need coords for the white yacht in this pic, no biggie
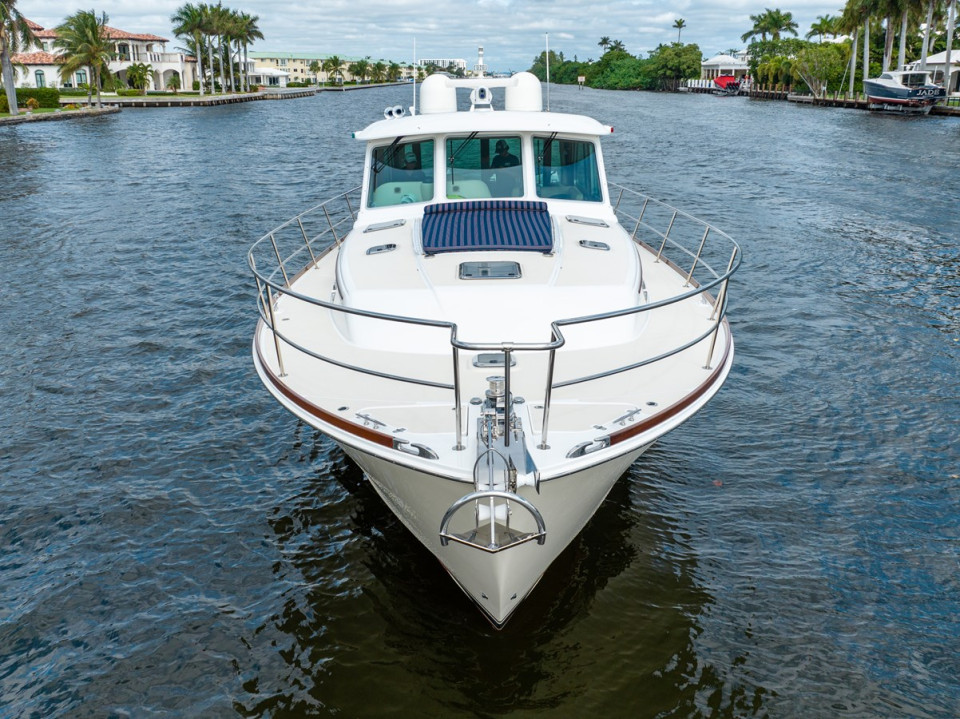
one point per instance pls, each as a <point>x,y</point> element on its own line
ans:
<point>489,329</point>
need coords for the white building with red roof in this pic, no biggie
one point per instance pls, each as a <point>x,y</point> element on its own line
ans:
<point>39,66</point>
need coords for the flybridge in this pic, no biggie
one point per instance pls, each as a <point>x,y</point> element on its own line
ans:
<point>522,110</point>
<point>522,92</point>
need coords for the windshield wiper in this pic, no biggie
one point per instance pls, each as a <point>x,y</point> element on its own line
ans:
<point>390,153</point>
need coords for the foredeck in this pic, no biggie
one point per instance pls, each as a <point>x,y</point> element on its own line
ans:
<point>637,358</point>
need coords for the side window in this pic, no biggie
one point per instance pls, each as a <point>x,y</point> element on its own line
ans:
<point>479,167</point>
<point>566,169</point>
<point>401,173</point>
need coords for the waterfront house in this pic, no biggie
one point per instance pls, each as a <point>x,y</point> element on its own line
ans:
<point>39,65</point>
<point>722,64</point>
<point>936,65</point>
<point>297,67</point>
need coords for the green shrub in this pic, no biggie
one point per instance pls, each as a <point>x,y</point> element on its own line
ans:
<point>70,92</point>
<point>46,96</point>
<point>128,92</point>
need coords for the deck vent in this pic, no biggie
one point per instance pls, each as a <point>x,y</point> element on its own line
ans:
<point>385,225</point>
<point>489,270</point>
<point>592,245</point>
<point>380,249</point>
<point>592,221</point>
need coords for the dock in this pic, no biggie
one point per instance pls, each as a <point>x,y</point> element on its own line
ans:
<point>277,93</point>
<point>859,102</point>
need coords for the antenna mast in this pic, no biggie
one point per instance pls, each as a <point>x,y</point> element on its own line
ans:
<point>548,71</point>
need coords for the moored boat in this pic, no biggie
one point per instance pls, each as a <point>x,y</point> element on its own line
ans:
<point>903,91</point>
<point>489,329</point>
<point>726,85</point>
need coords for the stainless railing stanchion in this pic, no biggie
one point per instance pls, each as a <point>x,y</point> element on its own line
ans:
<point>546,400</point>
<point>333,228</point>
<point>507,403</point>
<point>306,241</point>
<point>718,309</point>
<point>643,209</point>
<point>697,258</point>
<point>273,327</point>
<point>666,235</point>
<point>457,406</point>
<point>723,290</point>
<point>276,251</point>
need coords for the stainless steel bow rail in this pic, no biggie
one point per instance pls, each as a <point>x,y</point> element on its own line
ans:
<point>684,242</point>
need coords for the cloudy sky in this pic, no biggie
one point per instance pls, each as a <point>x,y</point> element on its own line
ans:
<point>511,31</point>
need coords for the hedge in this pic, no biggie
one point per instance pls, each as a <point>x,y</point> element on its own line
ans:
<point>46,96</point>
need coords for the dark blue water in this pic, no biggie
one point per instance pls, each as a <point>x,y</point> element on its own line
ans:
<point>173,543</point>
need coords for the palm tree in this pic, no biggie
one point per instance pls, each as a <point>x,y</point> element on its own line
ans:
<point>679,24</point>
<point>221,25</point>
<point>618,46</point>
<point>760,27</point>
<point>823,26</point>
<point>188,23</point>
<point>772,22</point>
<point>249,32</point>
<point>854,15</point>
<point>232,34</point>
<point>83,39</point>
<point>906,7</point>
<point>378,71</point>
<point>332,66</point>
<point>209,30</point>
<point>888,9</point>
<point>359,70</point>
<point>780,22</point>
<point>393,72</point>
<point>138,76</point>
<point>926,35</point>
<point>604,43</point>
<point>15,33</point>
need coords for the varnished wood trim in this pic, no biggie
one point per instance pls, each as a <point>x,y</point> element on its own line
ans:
<point>321,414</point>
<point>633,430</point>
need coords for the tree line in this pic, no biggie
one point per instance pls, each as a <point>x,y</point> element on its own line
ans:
<point>663,69</point>
<point>918,28</point>
<point>224,36</point>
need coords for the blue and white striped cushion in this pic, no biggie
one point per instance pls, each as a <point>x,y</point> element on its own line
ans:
<point>487,225</point>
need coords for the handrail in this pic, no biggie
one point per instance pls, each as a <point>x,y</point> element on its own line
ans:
<point>276,282</point>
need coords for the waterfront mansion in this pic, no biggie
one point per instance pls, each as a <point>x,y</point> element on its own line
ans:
<point>39,66</point>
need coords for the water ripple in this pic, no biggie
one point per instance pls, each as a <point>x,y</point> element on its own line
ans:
<point>172,542</point>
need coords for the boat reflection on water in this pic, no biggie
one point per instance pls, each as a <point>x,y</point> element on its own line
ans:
<point>370,614</point>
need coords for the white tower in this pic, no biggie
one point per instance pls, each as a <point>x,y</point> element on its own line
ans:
<point>479,69</point>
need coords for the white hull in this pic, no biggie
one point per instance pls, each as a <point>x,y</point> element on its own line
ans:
<point>496,582</point>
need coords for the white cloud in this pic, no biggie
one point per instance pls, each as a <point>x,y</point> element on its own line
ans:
<point>511,31</point>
